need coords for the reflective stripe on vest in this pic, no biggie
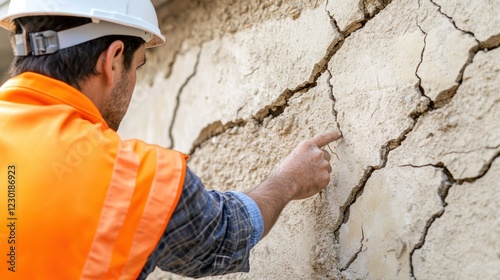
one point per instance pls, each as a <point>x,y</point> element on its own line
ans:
<point>87,204</point>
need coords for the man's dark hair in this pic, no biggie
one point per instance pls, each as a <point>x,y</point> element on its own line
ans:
<point>74,64</point>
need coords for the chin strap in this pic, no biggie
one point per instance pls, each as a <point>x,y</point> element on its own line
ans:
<point>49,41</point>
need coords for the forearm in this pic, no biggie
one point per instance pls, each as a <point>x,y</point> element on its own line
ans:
<point>210,233</point>
<point>271,196</point>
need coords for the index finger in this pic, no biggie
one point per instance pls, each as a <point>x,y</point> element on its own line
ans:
<point>323,139</point>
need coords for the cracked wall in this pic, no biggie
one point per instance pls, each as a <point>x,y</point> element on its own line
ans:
<point>414,87</point>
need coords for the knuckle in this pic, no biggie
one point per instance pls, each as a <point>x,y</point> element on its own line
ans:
<point>318,152</point>
<point>325,177</point>
<point>307,142</point>
<point>326,165</point>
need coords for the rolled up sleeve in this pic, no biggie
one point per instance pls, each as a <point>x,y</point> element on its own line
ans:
<point>210,233</point>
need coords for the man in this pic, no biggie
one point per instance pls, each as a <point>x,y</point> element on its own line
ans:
<point>83,203</point>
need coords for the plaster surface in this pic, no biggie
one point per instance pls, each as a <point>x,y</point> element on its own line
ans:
<point>413,85</point>
<point>466,234</point>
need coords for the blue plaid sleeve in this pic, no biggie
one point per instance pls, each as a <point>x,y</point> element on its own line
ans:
<point>210,233</point>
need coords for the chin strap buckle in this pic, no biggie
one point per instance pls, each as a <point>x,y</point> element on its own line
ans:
<point>44,42</point>
<point>37,43</point>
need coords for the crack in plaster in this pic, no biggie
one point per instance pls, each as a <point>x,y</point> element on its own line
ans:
<point>170,65</point>
<point>355,256</point>
<point>381,5</point>
<point>471,151</point>
<point>482,172</point>
<point>447,95</point>
<point>332,19</point>
<point>453,21</point>
<point>419,84</point>
<point>384,155</point>
<point>278,106</point>
<point>178,98</point>
<point>356,192</point>
<point>492,43</point>
<point>392,144</point>
<point>281,103</point>
<point>443,191</point>
<point>332,97</point>
<point>215,129</point>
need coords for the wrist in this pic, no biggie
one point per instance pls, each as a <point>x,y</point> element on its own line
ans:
<point>284,186</point>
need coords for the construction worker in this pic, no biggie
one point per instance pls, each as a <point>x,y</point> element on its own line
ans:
<point>79,202</point>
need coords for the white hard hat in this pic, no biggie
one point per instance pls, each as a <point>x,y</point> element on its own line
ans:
<point>109,17</point>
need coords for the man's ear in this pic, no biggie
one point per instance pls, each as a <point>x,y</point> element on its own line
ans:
<point>110,63</point>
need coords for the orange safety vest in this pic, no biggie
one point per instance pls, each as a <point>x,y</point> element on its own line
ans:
<point>76,201</point>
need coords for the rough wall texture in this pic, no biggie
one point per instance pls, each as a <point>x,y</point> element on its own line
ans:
<point>414,87</point>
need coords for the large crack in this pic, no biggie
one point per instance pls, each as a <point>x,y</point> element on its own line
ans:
<point>443,191</point>
<point>333,22</point>
<point>334,101</point>
<point>385,150</point>
<point>443,99</point>
<point>448,182</point>
<point>453,21</point>
<point>486,167</point>
<point>358,190</point>
<point>278,106</point>
<point>355,256</point>
<point>447,95</point>
<point>419,84</point>
<point>178,98</point>
<point>493,42</point>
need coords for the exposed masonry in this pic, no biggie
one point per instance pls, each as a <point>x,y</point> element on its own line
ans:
<point>278,106</point>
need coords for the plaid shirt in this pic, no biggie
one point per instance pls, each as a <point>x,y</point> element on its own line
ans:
<point>210,233</point>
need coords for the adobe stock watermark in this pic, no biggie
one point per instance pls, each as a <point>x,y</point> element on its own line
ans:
<point>77,153</point>
<point>11,221</point>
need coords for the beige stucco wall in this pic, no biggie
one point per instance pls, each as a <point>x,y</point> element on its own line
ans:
<point>414,85</point>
